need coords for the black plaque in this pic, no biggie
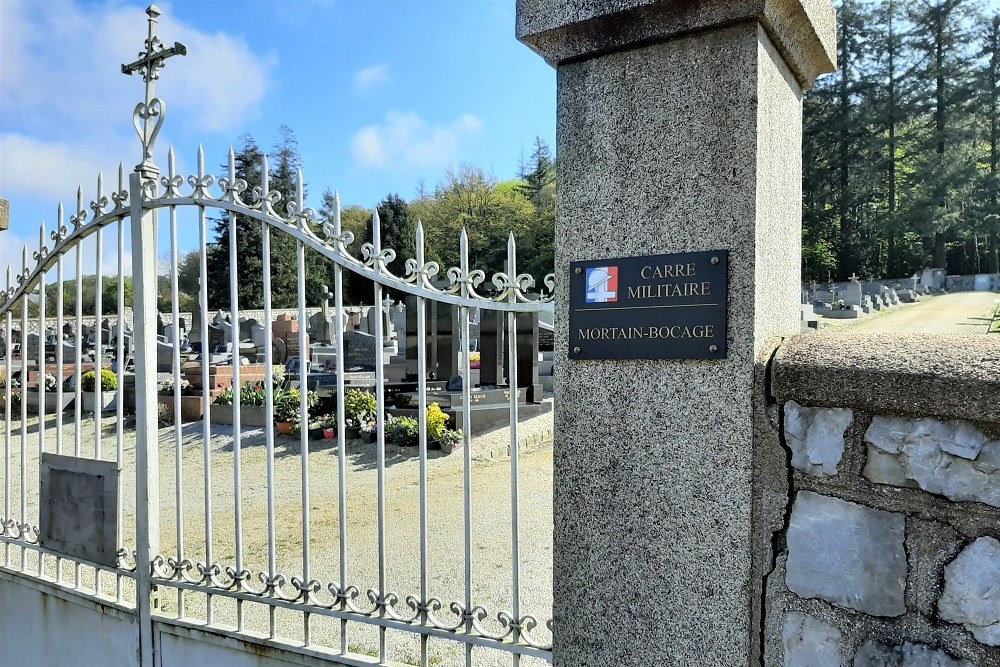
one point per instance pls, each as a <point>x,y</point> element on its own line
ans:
<point>656,307</point>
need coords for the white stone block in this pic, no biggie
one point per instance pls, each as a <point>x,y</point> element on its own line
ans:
<point>816,437</point>
<point>809,642</point>
<point>847,554</point>
<point>972,590</point>
<point>950,458</point>
<point>907,655</point>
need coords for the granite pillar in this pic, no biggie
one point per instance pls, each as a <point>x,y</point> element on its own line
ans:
<point>678,129</point>
<point>492,348</point>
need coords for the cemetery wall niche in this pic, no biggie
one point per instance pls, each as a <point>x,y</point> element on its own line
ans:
<point>889,553</point>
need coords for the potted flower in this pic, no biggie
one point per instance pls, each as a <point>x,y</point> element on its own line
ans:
<point>451,440</point>
<point>15,394</point>
<point>51,384</point>
<point>328,423</point>
<point>358,402</point>
<point>368,427</point>
<point>403,431</point>
<point>288,411</point>
<point>437,422</point>
<point>88,390</point>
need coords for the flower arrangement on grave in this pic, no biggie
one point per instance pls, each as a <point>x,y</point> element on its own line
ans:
<point>167,387</point>
<point>252,394</point>
<point>14,383</point>
<point>437,422</point>
<point>288,409</point>
<point>403,431</point>
<point>109,381</point>
<point>474,360</point>
<point>840,305</point>
<point>358,402</point>
<point>51,383</point>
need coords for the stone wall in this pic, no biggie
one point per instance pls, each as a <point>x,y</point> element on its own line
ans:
<point>968,283</point>
<point>890,550</point>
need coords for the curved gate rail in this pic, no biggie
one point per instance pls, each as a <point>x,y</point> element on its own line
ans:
<point>201,569</point>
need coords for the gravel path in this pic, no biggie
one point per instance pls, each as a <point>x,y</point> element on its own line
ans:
<point>961,312</point>
<point>491,521</point>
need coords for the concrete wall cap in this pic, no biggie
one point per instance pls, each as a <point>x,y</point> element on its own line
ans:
<point>562,31</point>
<point>945,376</point>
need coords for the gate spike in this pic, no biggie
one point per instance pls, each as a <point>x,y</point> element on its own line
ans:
<point>41,240</point>
<point>171,163</point>
<point>232,174</point>
<point>121,176</point>
<point>201,161</point>
<point>24,258</point>
<point>376,231</point>
<point>336,214</point>
<point>100,185</point>
<point>420,245</point>
<point>463,253</point>
<point>300,190</point>
<point>265,179</point>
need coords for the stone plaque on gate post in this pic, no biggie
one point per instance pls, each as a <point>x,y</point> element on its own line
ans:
<point>679,130</point>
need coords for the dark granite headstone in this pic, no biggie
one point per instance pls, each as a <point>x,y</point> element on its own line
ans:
<point>491,348</point>
<point>527,356</point>
<point>445,342</point>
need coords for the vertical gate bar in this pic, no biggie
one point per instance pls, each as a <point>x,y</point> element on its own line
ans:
<point>176,367</point>
<point>99,357</point>
<point>41,369</point>
<point>60,372</point>
<point>147,486</point>
<point>24,405</point>
<point>8,391</point>
<point>338,296</point>
<point>206,391</point>
<point>514,454</point>
<point>234,308</point>
<point>304,365</point>
<point>120,357</point>
<point>467,440</point>
<point>272,545</point>
<point>380,428</point>
<point>78,350</point>
<point>422,431</point>
<point>60,356</point>
<point>78,345</point>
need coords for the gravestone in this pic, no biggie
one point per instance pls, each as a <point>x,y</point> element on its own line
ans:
<point>527,357</point>
<point>678,130</point>
<point>492,348</point>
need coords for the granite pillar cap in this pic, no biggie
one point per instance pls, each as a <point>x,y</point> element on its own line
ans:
<point>563,31</point>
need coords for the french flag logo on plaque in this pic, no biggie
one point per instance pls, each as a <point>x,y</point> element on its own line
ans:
<point>602,284</point>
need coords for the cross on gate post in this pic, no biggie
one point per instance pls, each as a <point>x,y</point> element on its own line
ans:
<point>149,63</point>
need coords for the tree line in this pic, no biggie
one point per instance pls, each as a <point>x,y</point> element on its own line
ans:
<point>467,197</point>
<point>900,144</point>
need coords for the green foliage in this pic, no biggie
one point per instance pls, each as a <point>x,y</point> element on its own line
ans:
<point>284,163</point>
<point>289,408</point>
<point>901,144</point>
<point>437,422</point>
<point>358,402</point>
<point>252,394</point>
<point>109,381</point>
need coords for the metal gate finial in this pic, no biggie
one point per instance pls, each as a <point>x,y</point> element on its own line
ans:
<point>150,62</point>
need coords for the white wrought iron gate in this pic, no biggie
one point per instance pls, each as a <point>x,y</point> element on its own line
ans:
<point>213,572</point>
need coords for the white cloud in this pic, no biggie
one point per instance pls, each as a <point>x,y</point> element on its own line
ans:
<point>55,72</point>
<point>405,140</point>
<point>54,169</point>
<point>66,105</point>
<point>370,78</point>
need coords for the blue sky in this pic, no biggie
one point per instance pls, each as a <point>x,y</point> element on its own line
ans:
<point>380,94</point>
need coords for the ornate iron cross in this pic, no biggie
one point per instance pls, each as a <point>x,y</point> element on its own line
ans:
<point>149,63</point>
